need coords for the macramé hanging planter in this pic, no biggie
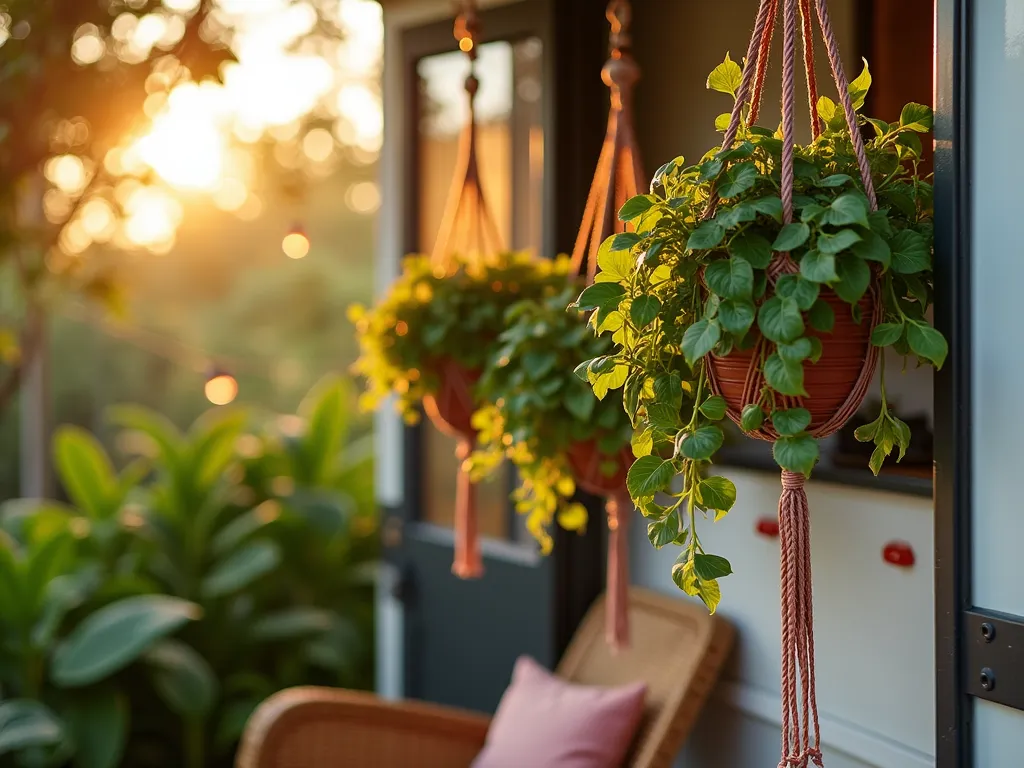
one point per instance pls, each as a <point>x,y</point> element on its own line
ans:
<point>542,417</point>
<point>763,283</point>
<point>426,341</point>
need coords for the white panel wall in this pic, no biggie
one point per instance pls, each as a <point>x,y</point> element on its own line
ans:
<point>873,627</point>
<point>997,59</point>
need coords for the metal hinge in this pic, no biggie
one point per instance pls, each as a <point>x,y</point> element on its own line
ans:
<point>994,657</point>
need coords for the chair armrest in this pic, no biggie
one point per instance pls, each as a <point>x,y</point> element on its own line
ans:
<point>319,727</point>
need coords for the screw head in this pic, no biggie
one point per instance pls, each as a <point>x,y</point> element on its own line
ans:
<point>988,632</point>
<point>987,679</point>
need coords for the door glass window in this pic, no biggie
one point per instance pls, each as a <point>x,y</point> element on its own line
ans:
<point>510,143</point>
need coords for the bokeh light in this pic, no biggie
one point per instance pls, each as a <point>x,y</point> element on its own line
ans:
<point>295,244</point>
<point>221,388</point>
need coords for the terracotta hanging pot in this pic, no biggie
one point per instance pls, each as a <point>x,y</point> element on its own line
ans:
<point>451,411</point>
<point>585,460</point>
<point>829,382</point>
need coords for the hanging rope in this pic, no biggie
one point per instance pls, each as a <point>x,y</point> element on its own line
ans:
<point>801,741</point>
<point>618,177</point>
<point>467,230</point>
<point>467,225</point>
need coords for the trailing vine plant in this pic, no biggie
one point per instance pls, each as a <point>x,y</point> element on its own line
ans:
<point>691,281</point>
<point>537,409</point>
<point>432,312</point>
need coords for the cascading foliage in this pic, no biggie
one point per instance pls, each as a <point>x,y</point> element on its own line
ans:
<point>537,408</point>
<point>689,282</point>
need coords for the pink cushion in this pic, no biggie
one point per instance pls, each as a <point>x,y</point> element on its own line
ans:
<point>545,722</point>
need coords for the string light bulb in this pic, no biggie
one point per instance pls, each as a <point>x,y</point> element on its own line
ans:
<point>221,387</point>
<point>296,243</point>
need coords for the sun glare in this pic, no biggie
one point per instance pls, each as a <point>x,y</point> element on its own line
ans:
<point>195,142</point>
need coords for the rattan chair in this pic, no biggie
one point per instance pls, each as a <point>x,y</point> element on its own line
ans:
<point>677,649</point>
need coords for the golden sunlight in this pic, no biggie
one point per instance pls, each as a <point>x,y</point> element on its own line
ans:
<point>196,140</point>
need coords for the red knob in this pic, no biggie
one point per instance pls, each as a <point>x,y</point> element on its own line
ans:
<point>898,553</point>
<point>768,526</point>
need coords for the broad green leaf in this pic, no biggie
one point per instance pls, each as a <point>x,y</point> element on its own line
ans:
<point>580,401</point>
<point>819,267</point>
<point>25,724</point>
<point>821,316</point>
<point>736,215</point>
<point>722,121</point>
<point>643,310</point>
<point>700,444</point>
<point>737,180</point>
<point>826,109</point>
<point>242,527</point>
<point>873,247</point>
<point>707,235</point>
<point>216,432</point>
<point>710,169</point>
<point>699,339</point>
<point>98,726</point>
<point>635,207</point>
<point>916,117</point>
<point>183,679</point>
<point>726,77</point>
<point>854,278</point>
<point>614,264</point>
<point>668,389</point>
<point>910,253</point>
<point>711,567</point>
<point>791,421</point>
<point>600,295</point>
<point>928,343</point>
<point>797,454</point>
<point>717,493</point>
<point>840,241</point>
<point>753,248</point>
<point>606,382</point>
<point>663,532</point>
<point>791,236</point>
<point>885,334</point>
<point>155,427</point>
<point>730,278</point>
<point>663,416</point>
<point>241,568</point>
<point>86,472</point>
<point>780,320</point>
<point>648,475</point>
<point>752,417</point>
<point>642,443</point>
<point>736,316</point>
<point>784,377</point>
<point>625,241</point>
<point>714,408</point>
<point>538,363</point>
<point>115,635</point>
<point>859,87</point>
<point>848,208</point>
<point>769,206</point>
<point>835,180</point>
<point>795,351</point>
<point>804,292</point>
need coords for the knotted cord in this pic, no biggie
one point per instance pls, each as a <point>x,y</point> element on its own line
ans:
<point>618,177</point>
<point>801,740</point>
<point>467,225</point>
